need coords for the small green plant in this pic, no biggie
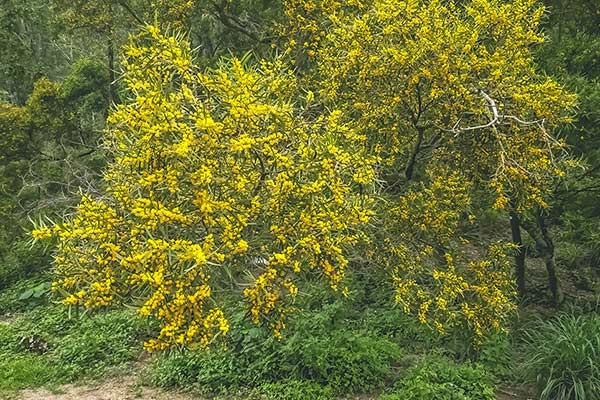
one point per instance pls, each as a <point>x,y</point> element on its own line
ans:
<point>496,355</point>
<point>436,378</point>
<point>292,390</point>
<point>24,295</point>
<point>563,357</point>
<point>105,340</point>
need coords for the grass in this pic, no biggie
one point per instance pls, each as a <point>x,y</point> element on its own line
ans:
<point>563,357</point>
<point>334,348</point>
<point>45,346</point>
<point>22,371</point>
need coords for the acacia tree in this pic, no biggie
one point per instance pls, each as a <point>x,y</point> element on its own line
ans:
<point>450,98</point>
<point>214,174</point>
<point>246,173</point>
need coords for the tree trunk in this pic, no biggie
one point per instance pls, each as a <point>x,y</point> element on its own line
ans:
<point>111,71</point>
<point>548,253</point>
<point>545,246</point>
<point>552,279</point>
<point>410,164</point>
<point>515,227</point>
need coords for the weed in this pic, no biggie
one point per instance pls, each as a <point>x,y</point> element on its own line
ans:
<point>319,350</point>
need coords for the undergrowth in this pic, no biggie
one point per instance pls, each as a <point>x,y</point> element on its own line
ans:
<point>47,346</point>
<point>563,357</point>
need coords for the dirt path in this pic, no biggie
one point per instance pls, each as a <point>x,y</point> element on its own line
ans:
<point>129,387</point>
<point>512,394</point>
<point>121,388</point>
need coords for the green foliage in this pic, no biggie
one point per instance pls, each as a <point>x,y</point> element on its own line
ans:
<point>318,351</point>
<point>441,379</point>
<point>110,339</point>
<point>24,295</point>
<point>28,370</point>
<point>28,48</point>
<point>85,89</point>
<point>563,357</point>
<point>65,349</point>
<point>47,147</point>
<point>19,261</point>
<point>292,390</point>
<point>496,354</point>
<point>391,322</point>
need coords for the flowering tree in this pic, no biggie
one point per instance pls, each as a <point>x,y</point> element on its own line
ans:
<point>213,174</point>
<point>451,101</point>
<point>245,173</point>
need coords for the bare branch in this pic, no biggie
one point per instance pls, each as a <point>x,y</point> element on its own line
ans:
<point>496,119</point>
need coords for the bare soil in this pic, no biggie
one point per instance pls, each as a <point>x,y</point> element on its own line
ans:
<point>120,388</point>
<point>513,394</point>
<point>129,388</point>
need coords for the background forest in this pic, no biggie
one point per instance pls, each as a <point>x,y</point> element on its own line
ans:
<point>380,241</point>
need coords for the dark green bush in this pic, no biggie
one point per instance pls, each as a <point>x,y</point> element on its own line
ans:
<point>24,295</point>
<point>19,261</point>
<point>563,357</point>
<point>442,379</point>
<point>317,350</point>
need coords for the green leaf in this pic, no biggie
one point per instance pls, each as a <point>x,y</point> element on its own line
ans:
<point>26,294</point>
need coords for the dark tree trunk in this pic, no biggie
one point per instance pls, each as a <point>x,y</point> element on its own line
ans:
<point>111,71</point>
<point>552,279</point>
<point>515,227</point>
<point>545,246</point>
<point>548,254</point>
<point>410,164</point>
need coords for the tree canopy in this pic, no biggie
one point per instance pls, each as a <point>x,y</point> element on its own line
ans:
<point>364,141</point>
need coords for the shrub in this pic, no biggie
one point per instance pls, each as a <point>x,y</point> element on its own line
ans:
<point>563,357</point>
<point>441,379</point>
<point>321,351</point>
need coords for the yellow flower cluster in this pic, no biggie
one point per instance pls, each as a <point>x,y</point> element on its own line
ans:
<point>441,279</point>
<point>215,174</point>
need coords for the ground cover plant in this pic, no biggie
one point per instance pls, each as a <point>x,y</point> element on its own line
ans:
<point>47,347</point>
